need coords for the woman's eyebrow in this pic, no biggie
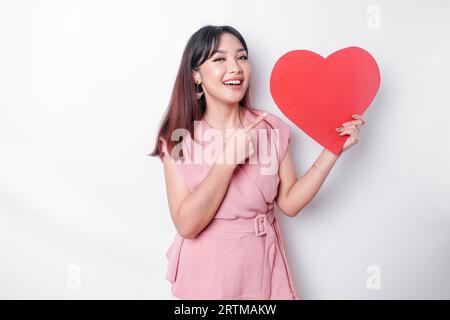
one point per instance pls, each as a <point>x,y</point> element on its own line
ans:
<point>224,51</point>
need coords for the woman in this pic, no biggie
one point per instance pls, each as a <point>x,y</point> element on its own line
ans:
<point>228,243</point>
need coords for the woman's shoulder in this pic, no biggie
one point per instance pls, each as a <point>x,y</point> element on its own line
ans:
<point>273,119</point>
<point>283,129</point>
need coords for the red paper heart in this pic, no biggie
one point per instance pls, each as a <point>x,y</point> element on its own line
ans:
<point>320,94</point>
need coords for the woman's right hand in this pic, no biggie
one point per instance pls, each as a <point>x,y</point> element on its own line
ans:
<point>238,145</point>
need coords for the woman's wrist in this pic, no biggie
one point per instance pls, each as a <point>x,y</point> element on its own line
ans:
<point>320,170</point>
<point>325,161</point>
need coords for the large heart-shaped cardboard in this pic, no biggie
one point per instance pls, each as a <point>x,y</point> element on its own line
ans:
<point>319,94</point>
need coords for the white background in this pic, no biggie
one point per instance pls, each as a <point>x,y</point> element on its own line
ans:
<point>84,84</point>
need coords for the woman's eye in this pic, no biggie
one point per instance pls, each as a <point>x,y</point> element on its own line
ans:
<point>217,59</point>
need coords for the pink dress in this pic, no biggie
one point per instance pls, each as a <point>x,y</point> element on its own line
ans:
<point>240,254</point>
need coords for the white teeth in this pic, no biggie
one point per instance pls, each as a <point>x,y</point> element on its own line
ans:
<point>233,82</point>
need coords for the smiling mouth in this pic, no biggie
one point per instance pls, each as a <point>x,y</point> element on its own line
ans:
<point>234,85</point>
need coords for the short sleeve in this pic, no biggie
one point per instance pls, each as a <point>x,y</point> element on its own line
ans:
<point>285,138</point>
<point>186,170</point>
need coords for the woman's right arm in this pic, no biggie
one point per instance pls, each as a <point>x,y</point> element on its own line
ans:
<point>192,211</point>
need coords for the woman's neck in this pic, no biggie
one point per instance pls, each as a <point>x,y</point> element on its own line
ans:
<point>225,117</point>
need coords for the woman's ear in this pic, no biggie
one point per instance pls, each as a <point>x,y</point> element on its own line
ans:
<point>196,76</point>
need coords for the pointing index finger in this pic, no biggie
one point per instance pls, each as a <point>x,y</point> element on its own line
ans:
<point>255,122</point>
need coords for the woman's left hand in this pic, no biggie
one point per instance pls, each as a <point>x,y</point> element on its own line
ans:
<point>351,128</point>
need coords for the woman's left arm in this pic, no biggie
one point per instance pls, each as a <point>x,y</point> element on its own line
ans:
<point>295,193</point>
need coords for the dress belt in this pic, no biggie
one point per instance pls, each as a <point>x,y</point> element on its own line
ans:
<point>264,224</point>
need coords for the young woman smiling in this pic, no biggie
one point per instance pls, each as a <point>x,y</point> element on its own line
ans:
<point>228,244</point>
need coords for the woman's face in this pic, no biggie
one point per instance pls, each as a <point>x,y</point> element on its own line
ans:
<point>229,62</point>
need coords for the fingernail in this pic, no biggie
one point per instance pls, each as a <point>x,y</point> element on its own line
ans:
<point>338,129</point>
<point>354,115</point>
<point>265,114</point>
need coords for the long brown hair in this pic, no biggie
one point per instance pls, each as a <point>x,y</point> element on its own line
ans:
<point>184,108</point>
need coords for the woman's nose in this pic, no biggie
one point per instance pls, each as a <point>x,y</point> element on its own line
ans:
<point>234,66</point>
